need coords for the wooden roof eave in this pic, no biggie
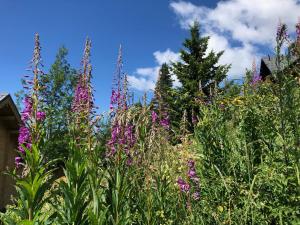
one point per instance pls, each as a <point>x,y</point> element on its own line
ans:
<point>7,100</point>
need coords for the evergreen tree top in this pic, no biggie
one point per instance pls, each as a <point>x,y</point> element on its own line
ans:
<point>195,45</point>
<point>198,65</point>
<point>163,87</point>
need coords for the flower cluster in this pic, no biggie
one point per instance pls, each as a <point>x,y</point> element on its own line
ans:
<point>130,140</point>
<point>118,98</point>
<point>193,183</point>
<point>25,135</point>
<point>115,133</point>
<point>255,79</point>
<point>192,171</point>
<point>40,116</point>
<point>24,138</point>
<point>164,121</point>
<point>18,161</point>
<point>122,134</point>
<point>122,137</point>
<point>83,106</point>
<point>81,96</point>
<point>31,116</point>
<point>184,186</point>
<point>154,117</point>
<point>114,99</point>
<point>26,113</point>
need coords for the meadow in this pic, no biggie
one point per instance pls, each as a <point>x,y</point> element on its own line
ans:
<point>203,153</point>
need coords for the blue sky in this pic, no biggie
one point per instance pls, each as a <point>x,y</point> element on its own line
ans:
<point>150,31</point>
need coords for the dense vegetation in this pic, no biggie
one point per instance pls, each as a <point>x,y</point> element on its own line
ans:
<point>203,153</point>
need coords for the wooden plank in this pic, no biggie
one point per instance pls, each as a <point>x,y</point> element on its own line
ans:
<point>7,118</point>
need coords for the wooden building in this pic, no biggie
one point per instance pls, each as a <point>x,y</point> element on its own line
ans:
<point>9,125</point>
<point>268,66</point>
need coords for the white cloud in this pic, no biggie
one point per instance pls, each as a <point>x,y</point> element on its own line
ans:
<point>240,57</point>
<point>144,79</point>
<point>147,72</point>
<point>166,57</point>
<point>140,83</point>
<point>250,23</point>
<point>188,13</point>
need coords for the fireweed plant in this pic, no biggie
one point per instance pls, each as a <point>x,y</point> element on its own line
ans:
<point>73,195</point>
<point>32,176</point>
<point>240,165</point>
<point>120,153</point>
<point>122,131</point>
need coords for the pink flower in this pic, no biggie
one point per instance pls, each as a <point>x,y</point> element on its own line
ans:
<point>191,163</point>
<point>165,122</point>
<point>255,79</point>
<point>24,139</point>
<point>154,116</point>
<point>41,116</point>
<point>184,186</point>
<point>192,173</point>
<point>26,113</point>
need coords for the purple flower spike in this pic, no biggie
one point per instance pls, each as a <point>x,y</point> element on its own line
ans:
<point>81,96</point>
<point>191,163</point>
<point>24,135</point>
<point>26,113</point>
<point>192,173</point>
<point>184,186</point>
<point>122,134</point>
<point>124,137</point>
<point>129,161</point>
<point>154,117</point>
<point>41,116</point>
<point>24,139</point>
<point>192,170</point>
<point>165,122</point>
<point>255,79</point>
<point>115,97</point>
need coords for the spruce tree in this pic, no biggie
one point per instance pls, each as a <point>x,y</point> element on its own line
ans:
<point>198,71</point>
<point>199,68</point>
<point>164,81</point>
<point>163,88</point>
<point>165,100</point>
